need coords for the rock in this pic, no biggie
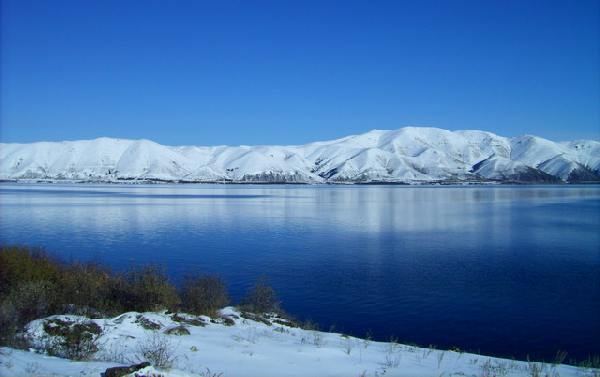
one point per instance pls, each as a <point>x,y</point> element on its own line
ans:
<point>583,174</point>
<point>146,323</point>
<point>177,330</point>
<point>193,321</point>
<point>256,317</point>
<point>123,371</point>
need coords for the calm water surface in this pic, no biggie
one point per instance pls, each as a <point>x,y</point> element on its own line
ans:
<point>508,270</point>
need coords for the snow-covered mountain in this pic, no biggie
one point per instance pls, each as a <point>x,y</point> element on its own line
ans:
<point>407,155</point>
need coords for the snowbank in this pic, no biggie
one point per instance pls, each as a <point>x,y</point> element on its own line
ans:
<point>264,346</point>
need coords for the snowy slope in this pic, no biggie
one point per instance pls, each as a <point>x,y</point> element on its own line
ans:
<point>267,347</point>
<point>408,155</point>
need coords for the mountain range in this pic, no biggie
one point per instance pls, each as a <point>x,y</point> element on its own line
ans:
<point>408,155</point>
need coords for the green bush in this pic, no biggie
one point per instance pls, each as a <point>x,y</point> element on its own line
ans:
<point>204,295</point>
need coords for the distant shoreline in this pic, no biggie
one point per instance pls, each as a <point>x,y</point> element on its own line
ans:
<point>134,181</point>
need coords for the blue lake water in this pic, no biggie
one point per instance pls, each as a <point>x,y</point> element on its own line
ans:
<point>504,270</point>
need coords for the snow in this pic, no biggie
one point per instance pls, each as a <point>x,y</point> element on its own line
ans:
<point>253,348</point>
<point>16,363</point>
<point>408,155</point>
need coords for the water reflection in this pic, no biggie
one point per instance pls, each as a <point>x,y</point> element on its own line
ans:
<point>360,209</point>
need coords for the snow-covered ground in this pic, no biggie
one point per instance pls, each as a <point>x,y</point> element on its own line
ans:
<point>407,155</point>
<point>256,348</point>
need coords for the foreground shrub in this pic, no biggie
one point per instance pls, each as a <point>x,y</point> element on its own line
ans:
<point>91,289</point>
<point>148,289</point>
<point>204,295</point>
<point>26,277</point>
<point>261,298</point>
<point>157,349</point>
<point>33,285</point>
<point>25,301</point>
<point>33,299</point>
<point>75,340</point>
<point>8,322</point>
<point>21,264</point>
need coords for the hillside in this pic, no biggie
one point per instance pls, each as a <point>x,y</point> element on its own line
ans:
<point>408,155</point>
<point>242,344</point>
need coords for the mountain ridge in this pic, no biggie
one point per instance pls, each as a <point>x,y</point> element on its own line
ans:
<point>407,155</point>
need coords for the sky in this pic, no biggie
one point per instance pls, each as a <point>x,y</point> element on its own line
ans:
<point>296,71</point>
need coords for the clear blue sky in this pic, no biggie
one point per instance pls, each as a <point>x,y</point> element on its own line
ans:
<point>291,71</point>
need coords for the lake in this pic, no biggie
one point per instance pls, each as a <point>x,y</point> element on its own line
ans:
<point>503,270</point>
